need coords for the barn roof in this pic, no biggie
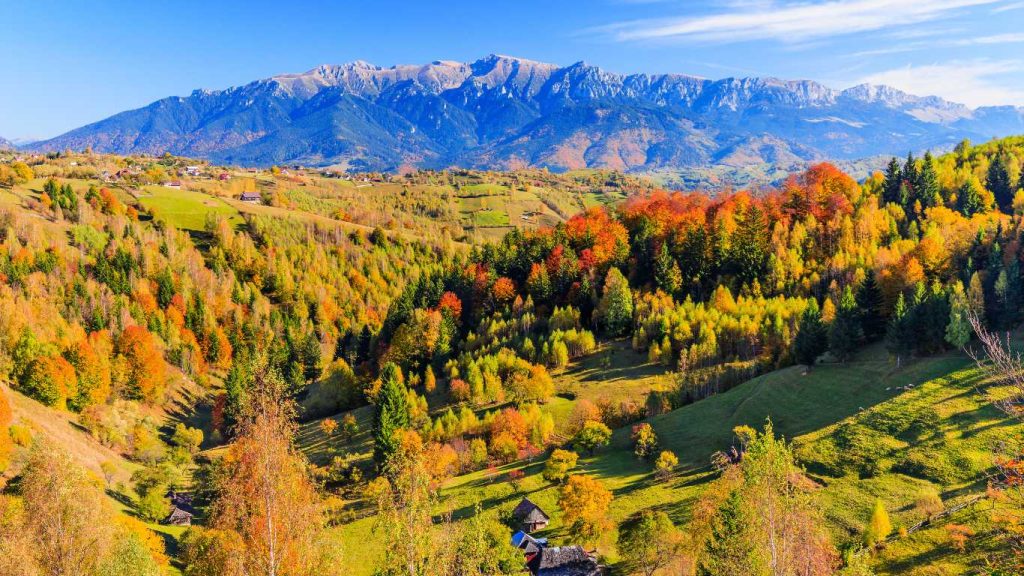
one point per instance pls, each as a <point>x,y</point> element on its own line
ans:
<point>527,511</point>
<point>564,561</point>
<point>178,517</point>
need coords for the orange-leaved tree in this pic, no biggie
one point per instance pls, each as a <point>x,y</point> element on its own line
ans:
<point>268,497</point>
<point>145,367</point>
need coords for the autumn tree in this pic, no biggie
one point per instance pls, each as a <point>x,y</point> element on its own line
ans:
<point>484,548</point>
<point>1004,364</point>
<point>50,379</point>
<point>592,436</point>
<point>146,369</point>
<point>559,465</point>
<point>6,418</point>
<point>406,497</point>
<point>267,496</point>
<point>879,526</point>
<point>645,441</point>
<point>73,528</point>
<point>584,503</point>
<point>665,465</point>
<point>649,542</point>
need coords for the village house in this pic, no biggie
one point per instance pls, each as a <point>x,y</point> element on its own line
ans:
<point>530,517</point>
<point>175,184</point>
<point>192,170</point>
<point>544,560</point>
<point>251,197</point>
<point>224,177</point>
<point>181,509</point>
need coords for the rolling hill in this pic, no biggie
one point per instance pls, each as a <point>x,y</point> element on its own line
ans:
<point>811,410</point>
<point>501,112</point>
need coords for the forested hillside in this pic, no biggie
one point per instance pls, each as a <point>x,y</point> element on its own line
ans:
<point>365,374</point>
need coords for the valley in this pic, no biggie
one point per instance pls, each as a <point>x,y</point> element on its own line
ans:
<point>506,318</point>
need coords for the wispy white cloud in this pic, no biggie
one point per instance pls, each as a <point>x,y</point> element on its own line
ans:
<point>792,22</point>
<point>971,82</point>
<point>1008,7</point>
<point>1012,38</point>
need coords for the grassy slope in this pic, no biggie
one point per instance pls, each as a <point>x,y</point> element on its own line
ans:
<point>186,209</point>
<point>804,407</point>
<point>62,429</point>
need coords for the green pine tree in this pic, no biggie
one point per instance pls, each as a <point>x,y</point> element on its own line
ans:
<point>811,338</point>
<point>893,184</point>
<point>667,274</point>
<point>927,189</point>
<point>897,337</point>
<point>615,310</point>
<point>750,246</point>
<point>998,183</point>
<point>968,200</point>
<point>391,414</point>
<point>845,332</point>
<point>869,302</point>
<point>958,330</point>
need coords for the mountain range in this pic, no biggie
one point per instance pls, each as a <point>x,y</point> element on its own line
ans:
<point>501,112</point>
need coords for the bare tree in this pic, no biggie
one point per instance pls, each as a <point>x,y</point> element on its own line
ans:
<point>1006,368</point>
<point>998,359</point>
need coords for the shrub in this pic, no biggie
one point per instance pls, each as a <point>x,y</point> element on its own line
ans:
<point>928,502</point>
<point>665,465</point>
<point>21,435</point>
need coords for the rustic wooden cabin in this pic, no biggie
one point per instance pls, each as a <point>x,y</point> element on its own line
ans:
<point>530,517</point>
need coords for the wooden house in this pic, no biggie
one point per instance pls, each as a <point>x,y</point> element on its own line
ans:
<point>181,509</point>
<point>530,517</point>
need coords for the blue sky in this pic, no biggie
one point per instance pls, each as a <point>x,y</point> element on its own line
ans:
<point>72,62</point>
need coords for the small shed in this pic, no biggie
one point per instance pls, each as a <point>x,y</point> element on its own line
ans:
<point>530,517</point>
<point>528,544</point>
<point>251,197</point>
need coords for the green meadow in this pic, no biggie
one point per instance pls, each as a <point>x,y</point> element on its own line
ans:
<point>931,410</point>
